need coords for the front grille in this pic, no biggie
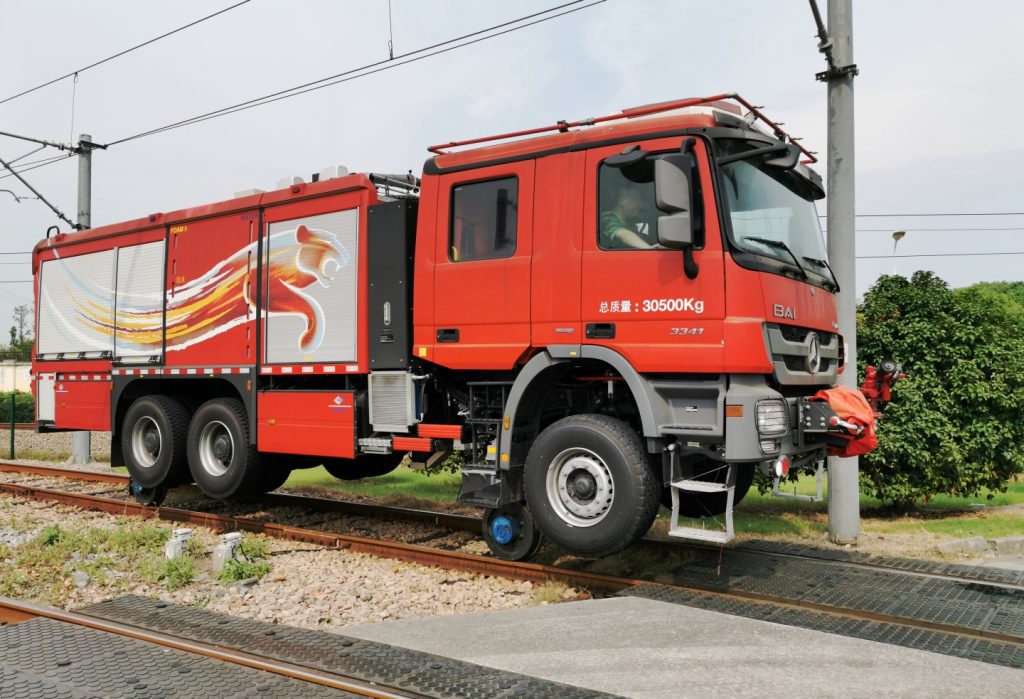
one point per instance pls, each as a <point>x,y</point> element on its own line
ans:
<point>789,348</point>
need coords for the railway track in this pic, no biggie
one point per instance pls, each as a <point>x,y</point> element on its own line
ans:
<point>812,580</point>
<point>15,611</point>
<point>471,524</point>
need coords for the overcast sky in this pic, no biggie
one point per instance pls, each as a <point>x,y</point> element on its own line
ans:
<point>937,101</point>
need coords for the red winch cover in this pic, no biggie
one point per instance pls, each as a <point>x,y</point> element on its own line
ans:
<point>851,406</point>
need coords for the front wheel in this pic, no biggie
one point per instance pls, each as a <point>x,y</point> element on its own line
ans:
<point>588,485</point>
<point>222,461</point>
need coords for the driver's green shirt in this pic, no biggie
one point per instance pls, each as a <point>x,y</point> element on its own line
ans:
<point>610,223</point>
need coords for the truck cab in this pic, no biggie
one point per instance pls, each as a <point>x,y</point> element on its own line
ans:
<point>653,289</point>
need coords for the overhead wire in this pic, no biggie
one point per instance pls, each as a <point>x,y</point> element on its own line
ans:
<point>22,157</point>
<point>940,254</point>
<point>124,52</point>
<point>74,93</point>
<point>958,213</point>
<point>375,67</point>
<point>909,229</point>
<point>40,163</point>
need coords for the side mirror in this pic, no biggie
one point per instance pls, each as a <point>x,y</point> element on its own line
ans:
<point>672,193</point>
<point>672,183</point>
<point>675,231</point>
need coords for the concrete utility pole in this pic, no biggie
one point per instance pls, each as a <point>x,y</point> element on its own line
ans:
<point>81,444</point>
<point>843,474</point>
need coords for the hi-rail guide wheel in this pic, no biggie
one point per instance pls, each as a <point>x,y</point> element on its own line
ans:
<point>510,532</point>
<point>146,496</point>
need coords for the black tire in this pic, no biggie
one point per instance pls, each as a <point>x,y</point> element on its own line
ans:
<point>711,504</point>
<point>588,485</point>
<point>366,466</point>
<point>220,457</point>
<point>153,437</point>
<point>278,467</point>
<point>274,476</point>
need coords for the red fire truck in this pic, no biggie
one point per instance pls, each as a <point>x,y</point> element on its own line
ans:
<point>601,316</point>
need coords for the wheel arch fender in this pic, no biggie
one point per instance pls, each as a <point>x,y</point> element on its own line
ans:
<point>533,381</point>
<point>644,395</point>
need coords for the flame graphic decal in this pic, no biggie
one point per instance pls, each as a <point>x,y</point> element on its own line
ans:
<point>224,297</point>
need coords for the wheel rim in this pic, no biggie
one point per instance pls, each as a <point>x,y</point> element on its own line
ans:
<point>580,487</point>
<point>216,448</point>
<point>146,442</point>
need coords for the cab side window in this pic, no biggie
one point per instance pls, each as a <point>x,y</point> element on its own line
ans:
<point>627,215</point>
<point>483,220</point>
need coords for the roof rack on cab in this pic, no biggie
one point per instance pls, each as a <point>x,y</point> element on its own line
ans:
<point>721,101</point>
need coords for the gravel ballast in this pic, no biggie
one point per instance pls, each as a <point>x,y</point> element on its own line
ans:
<point>307,586</point>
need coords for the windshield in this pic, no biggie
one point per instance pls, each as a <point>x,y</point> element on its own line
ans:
<point>771,205</point>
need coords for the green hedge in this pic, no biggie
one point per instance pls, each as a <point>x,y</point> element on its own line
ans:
<point>954,426</point>
<point>24,407</point>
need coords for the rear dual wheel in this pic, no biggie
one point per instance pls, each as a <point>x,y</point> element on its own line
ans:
<point>221,458</point>
<point>153,442</point>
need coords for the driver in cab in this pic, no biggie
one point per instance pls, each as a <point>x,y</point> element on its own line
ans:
<point>623,227</point>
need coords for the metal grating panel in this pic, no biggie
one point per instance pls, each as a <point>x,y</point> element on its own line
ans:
<point>76,304</point>
<point>311,267</point>
<point>47,658</point>
<point>392,401</point>
<point>996,653</point>
<point>422,674</point>
<point>140,300</point>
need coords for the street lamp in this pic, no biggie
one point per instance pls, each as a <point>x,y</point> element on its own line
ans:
<point>897,236</point>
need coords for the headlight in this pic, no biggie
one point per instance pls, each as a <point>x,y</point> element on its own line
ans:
<point>772,417</point>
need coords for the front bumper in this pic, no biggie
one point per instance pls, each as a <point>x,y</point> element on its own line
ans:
<point>806,425</point>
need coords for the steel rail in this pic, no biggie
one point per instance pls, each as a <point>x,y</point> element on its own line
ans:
<point>454,560</point>
<point>442,519</point>
<point>16,610</point>
<point>472,524</point>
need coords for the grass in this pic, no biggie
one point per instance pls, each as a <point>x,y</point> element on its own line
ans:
<point>42,567</point>
<point>550,592</point>
<point>1014,495</point>
<point>250,560</point>
<point>400,485</point>
<point>174,573</point>
<point>757,516</point>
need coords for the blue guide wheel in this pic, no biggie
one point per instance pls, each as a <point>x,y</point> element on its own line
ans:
<point>144,495</point>
<point>510,532</point>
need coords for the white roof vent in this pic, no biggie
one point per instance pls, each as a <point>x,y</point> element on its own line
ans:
<point>247,193</point>
<point>332,172</point>
<point>289,182</point>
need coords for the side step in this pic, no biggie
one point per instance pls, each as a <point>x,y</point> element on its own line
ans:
<point>715,536</point>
